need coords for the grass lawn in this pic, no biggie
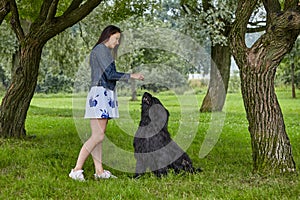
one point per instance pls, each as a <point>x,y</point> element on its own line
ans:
<point>38,167</point>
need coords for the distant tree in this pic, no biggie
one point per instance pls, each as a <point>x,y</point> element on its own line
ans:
<point>8,47</point>
<point>214,19</point>
<point>288,72</point>
<point>60,60</point>
<point>3,78</point>
<point>271,148</point>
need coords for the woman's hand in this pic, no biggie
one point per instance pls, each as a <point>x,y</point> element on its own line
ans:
<point>137,76</point>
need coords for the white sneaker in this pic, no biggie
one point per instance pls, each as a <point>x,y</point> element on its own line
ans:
<point>105,175</point>
<point>77,175</point>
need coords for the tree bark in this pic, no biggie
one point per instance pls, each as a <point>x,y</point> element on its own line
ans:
<point>271,148</point>
<point>219,77</point>
<point>17,99</point>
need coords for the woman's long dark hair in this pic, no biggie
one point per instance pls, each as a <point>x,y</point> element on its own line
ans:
<point>105,35</point>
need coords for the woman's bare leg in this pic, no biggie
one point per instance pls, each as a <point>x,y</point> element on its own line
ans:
<point>98,127</point>
<point>97,152</point>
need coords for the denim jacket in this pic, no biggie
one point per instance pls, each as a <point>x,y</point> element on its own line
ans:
<point>103,68</point>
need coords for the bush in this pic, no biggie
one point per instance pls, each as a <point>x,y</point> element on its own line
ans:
<point>198,85</point>
<point>55,84</point>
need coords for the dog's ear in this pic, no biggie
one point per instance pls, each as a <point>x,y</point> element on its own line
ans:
<point>152,124</point>
<point>159,116</point>
<point>167,112</point>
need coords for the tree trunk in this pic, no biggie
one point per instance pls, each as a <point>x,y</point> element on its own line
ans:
<point>219,77</point>
<point>271,148</point>
<point>293,81</point>
<point>17,99</point>
<point>133,90</point>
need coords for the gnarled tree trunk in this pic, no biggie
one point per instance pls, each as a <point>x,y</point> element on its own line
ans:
<point>219,77</point>
<point>271,148</point>
<point>16,102</point>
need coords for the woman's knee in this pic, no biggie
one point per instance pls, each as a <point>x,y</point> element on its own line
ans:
<point>98,127</point>
<point>98,138</point>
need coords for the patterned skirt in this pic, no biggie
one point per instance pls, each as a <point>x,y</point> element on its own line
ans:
<point>101,103</point>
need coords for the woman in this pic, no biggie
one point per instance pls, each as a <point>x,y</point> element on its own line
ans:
<point>101,103</point>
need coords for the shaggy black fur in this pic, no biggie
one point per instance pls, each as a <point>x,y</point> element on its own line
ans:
<point>153,146</point>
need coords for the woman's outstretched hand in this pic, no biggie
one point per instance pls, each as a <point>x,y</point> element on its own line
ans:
<point>137,76</point>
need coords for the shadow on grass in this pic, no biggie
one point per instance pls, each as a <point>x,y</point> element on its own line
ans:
<point>60,112</point>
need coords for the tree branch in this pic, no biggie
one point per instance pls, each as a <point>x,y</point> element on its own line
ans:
<point>48,10</point>
<point>291,4</point>
<point>256,23</point>
<point>244,10</point>
<point>271,7</point>
<point>189,7</point>
<point>185,9</point>
<point>75,12</point>
<point>288,21</point>
<point>81,34</point>
<point>4,9</point>
<point>257,29</point>
<point>52,10</point>
<point>78,12</point>
<point>15,21</point>
<point>206,4</point>
<point>75,4</point>
<point>237,35</point>
<point>44,10</point>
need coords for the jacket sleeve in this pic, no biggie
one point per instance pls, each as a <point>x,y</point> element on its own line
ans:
<point>112,74</point>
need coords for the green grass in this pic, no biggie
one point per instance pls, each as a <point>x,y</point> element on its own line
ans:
<point>38,167</point>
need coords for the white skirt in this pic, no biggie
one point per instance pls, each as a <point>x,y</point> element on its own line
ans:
<point>101,103</point>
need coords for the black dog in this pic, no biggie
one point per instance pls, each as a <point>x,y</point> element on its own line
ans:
<point>153,146</point>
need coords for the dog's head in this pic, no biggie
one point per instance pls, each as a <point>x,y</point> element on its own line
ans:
<point>148,100</point>
<point>153,110</point>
